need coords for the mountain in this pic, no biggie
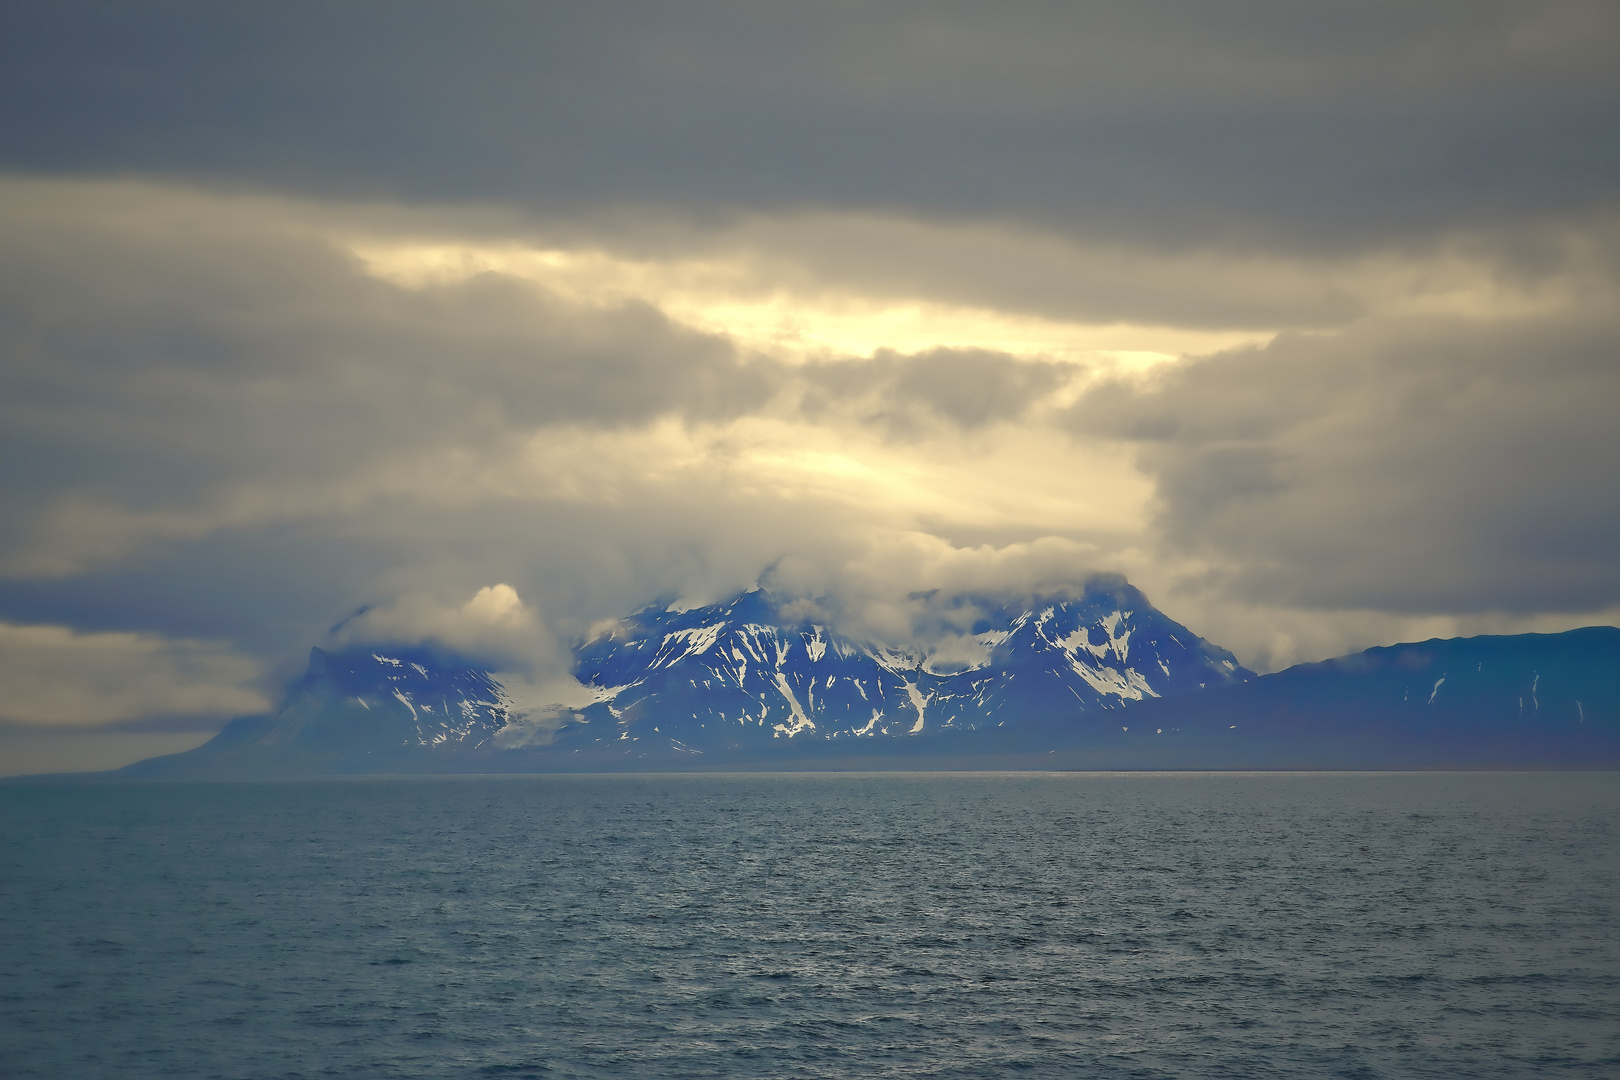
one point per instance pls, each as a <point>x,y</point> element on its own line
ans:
<point>739,673</point>
<point>1527,700</point>
<point>743,679</point>
<point>361,710</point>
<point>1100,680</point>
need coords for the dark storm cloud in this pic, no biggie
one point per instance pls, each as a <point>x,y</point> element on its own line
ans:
<point>1434,465</point>
<point>1328,124</point>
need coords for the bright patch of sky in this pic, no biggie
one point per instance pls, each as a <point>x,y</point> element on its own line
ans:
<point>741,298</point>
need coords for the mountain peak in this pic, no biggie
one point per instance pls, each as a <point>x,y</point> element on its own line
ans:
<point>759,666</point>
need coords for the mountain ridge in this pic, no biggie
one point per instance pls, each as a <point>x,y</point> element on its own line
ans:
<point>741,661</point>
<point>1094,680</point>
<point>1445,702</point>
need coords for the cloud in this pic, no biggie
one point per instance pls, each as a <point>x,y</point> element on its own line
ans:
<point>193,373</point>
<point>230,423</point>
<point>495,626</point>
<point>1323,126</point>
<point>210,364</point>
<point>967,388</point>
<point>904,588</point>
<point>1418,466</point>
<point>850,282</point>
<point>56,678</point>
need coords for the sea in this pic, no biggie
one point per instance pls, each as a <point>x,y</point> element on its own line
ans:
<point>814,925</point>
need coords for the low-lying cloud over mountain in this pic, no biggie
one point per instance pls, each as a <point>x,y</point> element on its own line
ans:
<point>1301,319</point>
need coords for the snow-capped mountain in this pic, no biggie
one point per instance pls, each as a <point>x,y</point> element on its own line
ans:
<point>385,700</point>
<point>738,676</point>
<point>737,673</point>
<point>1097,681</point>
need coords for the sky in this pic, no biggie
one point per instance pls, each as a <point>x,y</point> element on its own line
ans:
<point>488,322</point>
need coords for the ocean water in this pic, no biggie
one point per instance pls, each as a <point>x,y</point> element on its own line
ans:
<point>986,925</point>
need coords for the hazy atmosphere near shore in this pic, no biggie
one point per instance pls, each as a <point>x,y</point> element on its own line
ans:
<point>483,324</point>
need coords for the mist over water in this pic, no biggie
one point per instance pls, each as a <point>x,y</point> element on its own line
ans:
<point>864,925</point>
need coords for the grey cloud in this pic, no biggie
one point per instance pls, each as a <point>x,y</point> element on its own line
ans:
<point>919,590</point>
<point>1323,124</point>
<point>493,626</point>
<point>275,309</point>
<point>56,678</point>
<point>967,388</point>
<point>218,426</point>
<point>274,590</point>
<point>222,427</point>
<point>157,352</point>
<point>262,437</point>
<point>1410,466</point>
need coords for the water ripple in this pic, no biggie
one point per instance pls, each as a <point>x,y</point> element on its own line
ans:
<point>1105,926</point>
